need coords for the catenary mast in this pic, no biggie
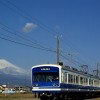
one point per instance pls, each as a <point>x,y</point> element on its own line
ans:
<point>58,49</point>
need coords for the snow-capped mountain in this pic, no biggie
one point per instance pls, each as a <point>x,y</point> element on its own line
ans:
<point>12,74</point>
<point>9,68</point>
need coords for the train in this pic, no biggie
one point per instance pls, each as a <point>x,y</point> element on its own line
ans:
<point>59,82</point>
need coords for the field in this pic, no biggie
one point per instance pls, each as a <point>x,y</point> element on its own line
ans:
<point>28,96</point>
<point>18,96</point>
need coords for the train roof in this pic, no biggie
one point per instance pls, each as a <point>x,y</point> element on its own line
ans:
<point>72,69</point>
<point>47,65</point>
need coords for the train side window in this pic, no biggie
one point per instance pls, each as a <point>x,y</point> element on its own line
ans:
<point>62,77</point>
<point>65,77</point>
<point>70,78</point>
<point>81,80</point>
<point>90,81</point>
<point>77,79</point>
<point>74,78</point>
<point>86,81</point>
<point>96,82</point>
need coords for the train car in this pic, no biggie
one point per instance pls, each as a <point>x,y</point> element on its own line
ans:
<point>53,82</point>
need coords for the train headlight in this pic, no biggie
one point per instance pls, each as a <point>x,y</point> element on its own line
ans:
<point>55,84</point>
<point>35,85</point>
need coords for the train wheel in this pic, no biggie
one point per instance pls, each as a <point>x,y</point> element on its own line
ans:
<point>55,98</point>
<point>44,98</point>
<point>65,97</point>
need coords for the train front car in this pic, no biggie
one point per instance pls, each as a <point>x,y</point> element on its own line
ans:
<point>46,80</point>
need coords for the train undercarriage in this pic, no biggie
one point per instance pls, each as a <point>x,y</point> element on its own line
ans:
<point>69,95</point>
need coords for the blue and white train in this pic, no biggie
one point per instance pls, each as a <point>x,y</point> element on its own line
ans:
<point>54,81</point>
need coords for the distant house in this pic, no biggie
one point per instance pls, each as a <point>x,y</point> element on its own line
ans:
<point>1,89</point>
<point>8,91</point>
<point>13,89</point>
<point>22,89</point>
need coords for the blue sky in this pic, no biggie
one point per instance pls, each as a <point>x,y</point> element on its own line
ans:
<point>77,23</point>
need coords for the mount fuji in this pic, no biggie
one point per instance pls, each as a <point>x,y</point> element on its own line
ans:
<point>9,68</point>
<point>12,74</point>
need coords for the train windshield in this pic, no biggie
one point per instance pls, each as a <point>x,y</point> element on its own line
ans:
<point>46,77</point>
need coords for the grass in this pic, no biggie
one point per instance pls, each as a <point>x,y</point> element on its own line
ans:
<point>16,95</point>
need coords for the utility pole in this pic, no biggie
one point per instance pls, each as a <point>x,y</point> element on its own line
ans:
<point>58,49</point>
<point>96,72</point>
<point>97,69</point>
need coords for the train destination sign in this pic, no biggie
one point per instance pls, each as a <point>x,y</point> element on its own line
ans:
<point>45,68</point>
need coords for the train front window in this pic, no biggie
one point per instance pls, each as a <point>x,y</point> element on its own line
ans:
<point>46,77</point>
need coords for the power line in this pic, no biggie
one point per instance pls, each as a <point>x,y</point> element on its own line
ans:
<point>72,60</point>
<point>25,15</point>
<point>12,39</point>
<point>7,39</point>
<point>73,47</point>
<point>28,17</point>
<point>20,35</point>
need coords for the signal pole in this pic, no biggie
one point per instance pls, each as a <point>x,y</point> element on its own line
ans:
<point>58,49</point>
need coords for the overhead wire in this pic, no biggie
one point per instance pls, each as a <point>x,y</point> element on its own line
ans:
<point>21,43</point>
<point>65,56</point>
<point>74,49</point>
<point>12,39</point>
<point>20,35</point>
<point>25,15</point>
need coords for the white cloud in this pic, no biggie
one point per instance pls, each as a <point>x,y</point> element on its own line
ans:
<point>29,27</point>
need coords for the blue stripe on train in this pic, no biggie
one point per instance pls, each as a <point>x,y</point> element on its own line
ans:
<point>74,86</point>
